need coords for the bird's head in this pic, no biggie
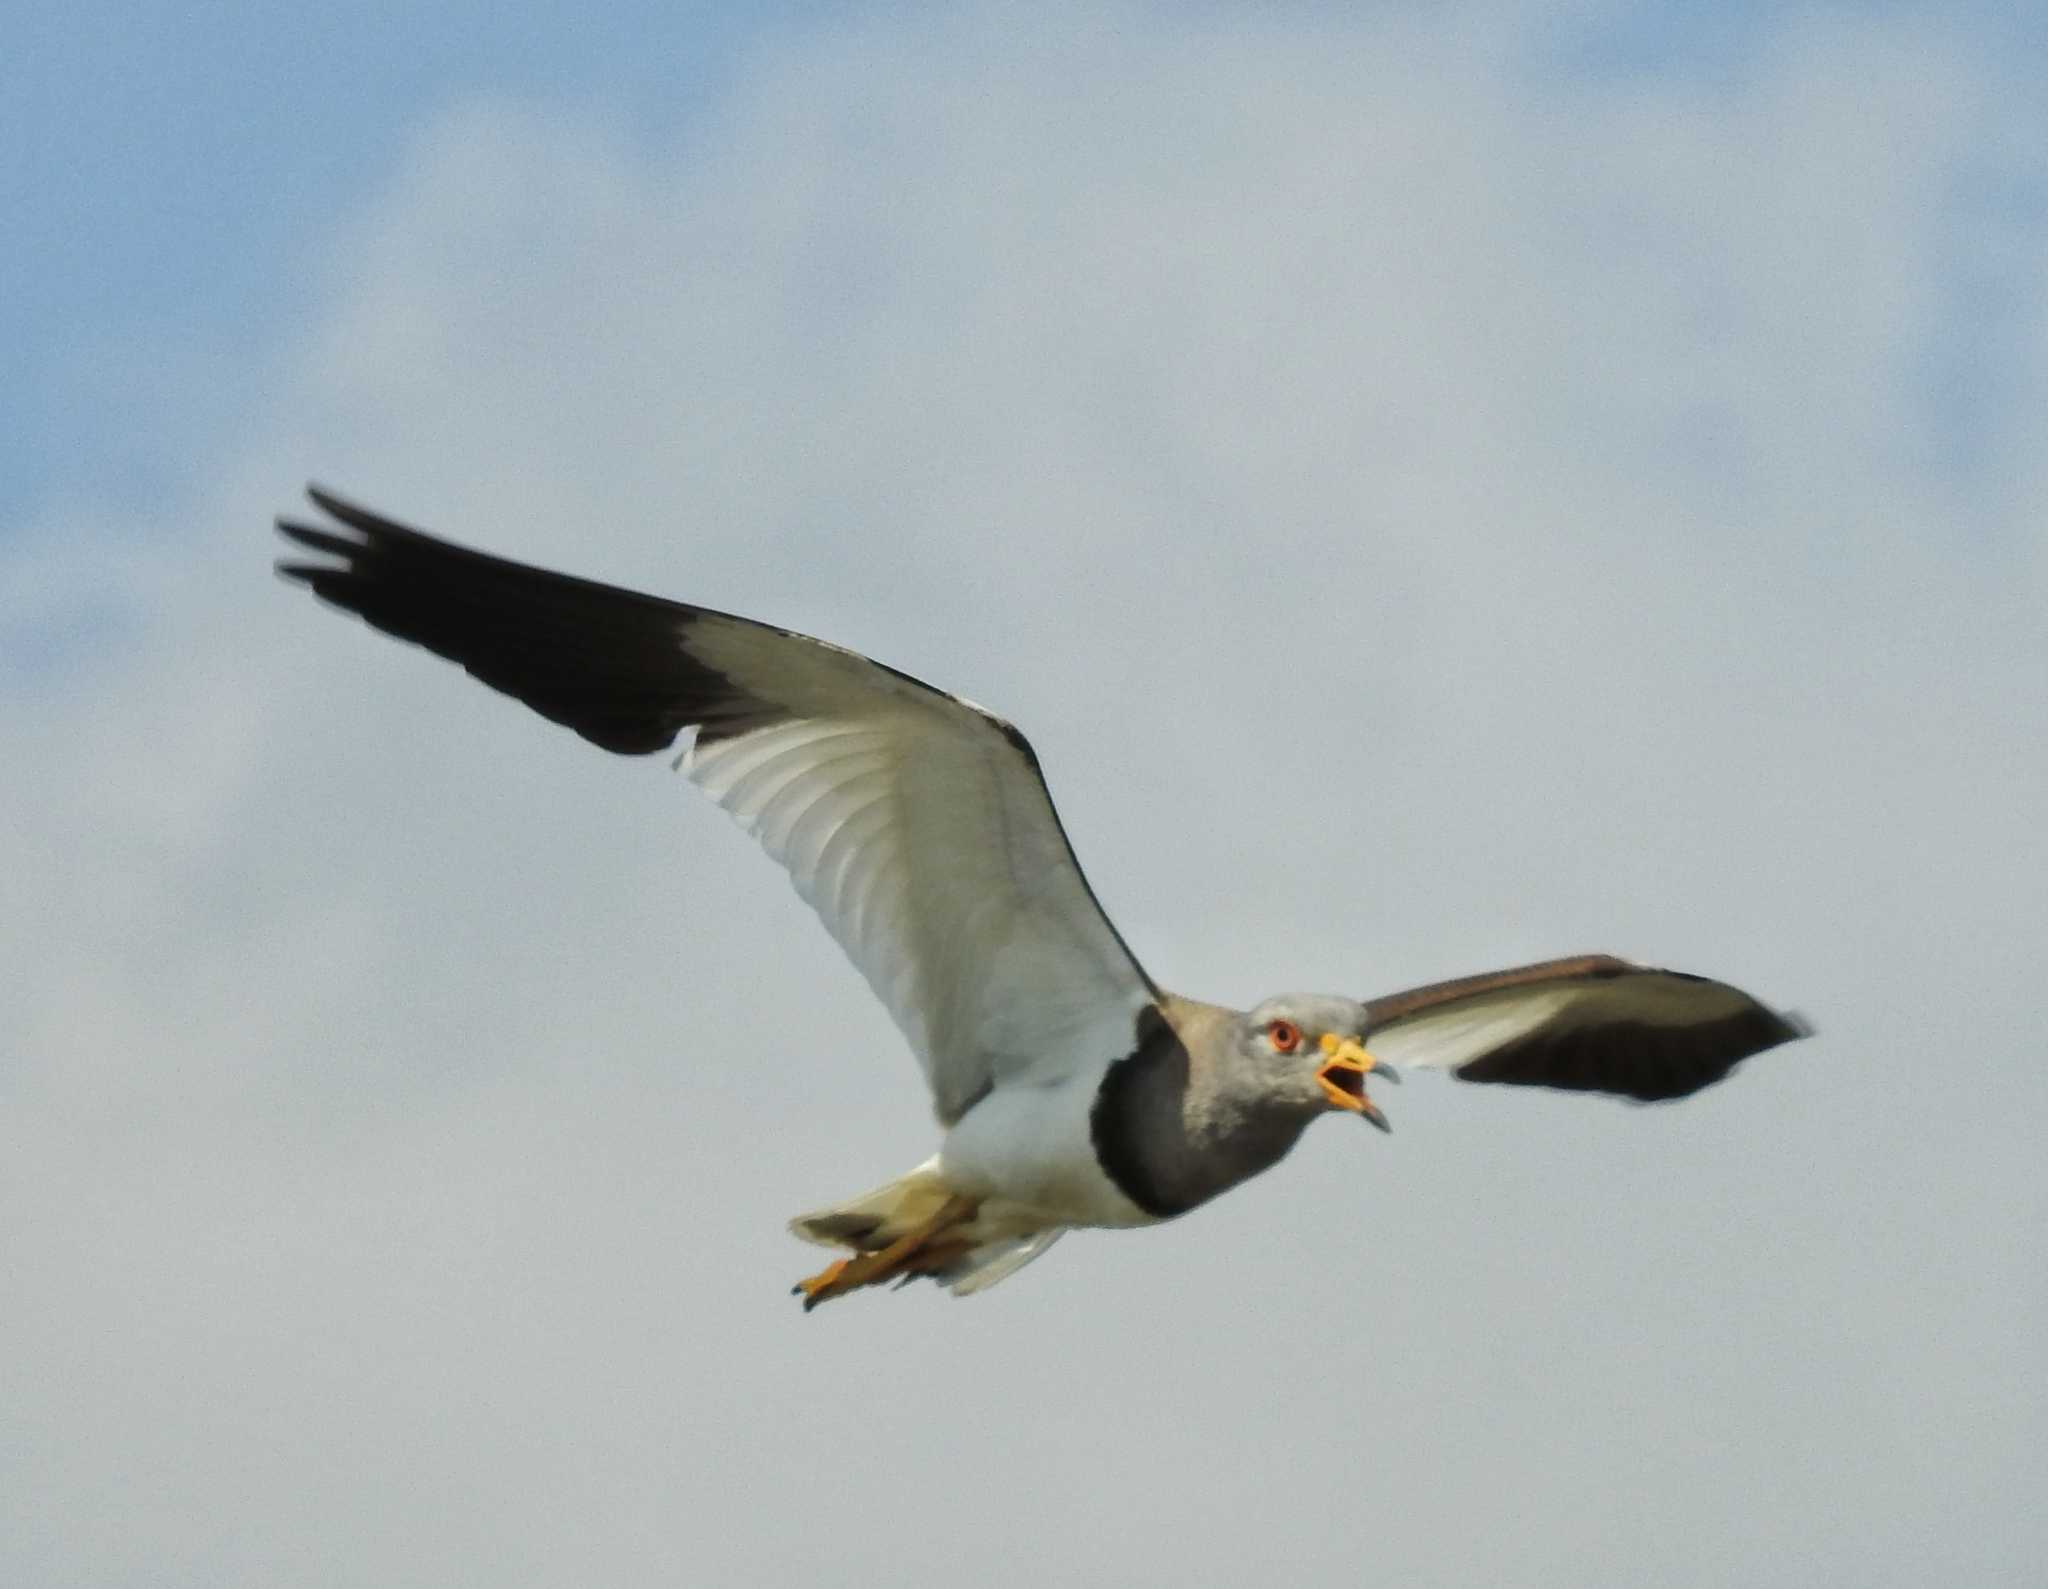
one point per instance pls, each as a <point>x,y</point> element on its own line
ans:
<point>1308,1049</point>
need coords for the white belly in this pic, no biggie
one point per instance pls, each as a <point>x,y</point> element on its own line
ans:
<point>1028,1150</point>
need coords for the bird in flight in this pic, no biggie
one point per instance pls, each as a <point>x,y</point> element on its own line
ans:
<point>1071,1089</point>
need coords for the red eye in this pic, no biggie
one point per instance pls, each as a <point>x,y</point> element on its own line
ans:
<point>1283,1035</point>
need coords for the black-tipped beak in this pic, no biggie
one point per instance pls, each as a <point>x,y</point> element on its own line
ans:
<point>1345,1066</point>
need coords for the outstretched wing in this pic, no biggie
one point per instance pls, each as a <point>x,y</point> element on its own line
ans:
<point>916,824</point>
<point>1591,1023</point>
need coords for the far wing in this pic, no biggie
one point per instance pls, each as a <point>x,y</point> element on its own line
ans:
<point>1591,1023</point>
<point>916,824</point>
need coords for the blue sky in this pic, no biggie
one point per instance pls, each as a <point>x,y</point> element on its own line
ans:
<point>163,168</point>
<point>1440,487</point>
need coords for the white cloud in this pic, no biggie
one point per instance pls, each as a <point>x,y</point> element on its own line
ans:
<point>1514,503</point>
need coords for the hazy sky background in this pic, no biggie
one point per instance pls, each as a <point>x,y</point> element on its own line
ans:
<point>1440,486</point>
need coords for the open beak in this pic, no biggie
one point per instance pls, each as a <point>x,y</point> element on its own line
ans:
<point>1345,1066</point>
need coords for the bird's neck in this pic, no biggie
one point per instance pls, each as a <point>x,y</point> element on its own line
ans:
<point>1170,1128</point>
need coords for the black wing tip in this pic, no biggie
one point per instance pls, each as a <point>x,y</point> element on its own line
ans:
<point>316,539</point>
<point>322,539</point>
<point>602,661</point>
<point>345,509</point>
<point>368,527</point>
<point>1640,1062</point>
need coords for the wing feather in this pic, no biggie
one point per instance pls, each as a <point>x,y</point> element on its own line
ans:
<point>917,825</point>
<point>1589,1023</point>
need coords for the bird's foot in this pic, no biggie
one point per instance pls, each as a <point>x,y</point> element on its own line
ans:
<point>915,1252</point>
<point>818,1287</point>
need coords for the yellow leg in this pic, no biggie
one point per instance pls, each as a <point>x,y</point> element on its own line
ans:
<point>899,1257</point>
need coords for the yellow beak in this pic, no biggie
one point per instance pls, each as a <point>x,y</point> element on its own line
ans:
<point>1342,1075</point>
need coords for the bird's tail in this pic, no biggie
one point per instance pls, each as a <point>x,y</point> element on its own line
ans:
<point>873,1220</point>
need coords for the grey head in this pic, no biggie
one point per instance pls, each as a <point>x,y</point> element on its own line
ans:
<point>1308,1050</point>
<point>1209,1096</point>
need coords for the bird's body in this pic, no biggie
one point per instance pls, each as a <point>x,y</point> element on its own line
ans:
<point>1028,1153</point>
<point>1071,1088</point>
